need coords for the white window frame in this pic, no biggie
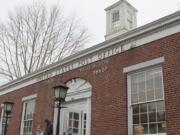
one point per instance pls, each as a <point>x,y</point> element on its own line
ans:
<point>115,21</point>
<point>2,115</point>
<point>24,100</point>
<point>114,17</point>
<point>148,64</point>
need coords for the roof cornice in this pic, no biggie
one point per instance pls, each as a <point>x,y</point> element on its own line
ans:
<point>165,21</point>
<point>118,3</point>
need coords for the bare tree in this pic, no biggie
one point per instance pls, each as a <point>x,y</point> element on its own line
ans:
<point>34,37</point>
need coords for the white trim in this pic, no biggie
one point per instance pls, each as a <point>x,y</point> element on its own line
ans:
<point>22,122</point>
<point>24,100</point>
<point>142,35</point>
<point>118,3</point>
<point>144,65</point>
<point>2,114</point>
<point>88,126</point>
<point>130,131</point>
<point>16,86</point>
<point>130,118</point>
<point>29,97</point>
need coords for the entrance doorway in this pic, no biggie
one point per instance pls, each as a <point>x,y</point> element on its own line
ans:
<point>75,118</point>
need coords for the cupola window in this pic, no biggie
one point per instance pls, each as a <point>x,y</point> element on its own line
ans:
<point>115,16</point>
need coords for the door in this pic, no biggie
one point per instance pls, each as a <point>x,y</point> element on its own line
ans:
<point>72,122</point>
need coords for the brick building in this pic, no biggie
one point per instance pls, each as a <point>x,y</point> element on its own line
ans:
<point>127,85</point>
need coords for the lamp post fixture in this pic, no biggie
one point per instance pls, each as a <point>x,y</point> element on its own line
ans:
<point>60,92</point>
<point>7,110</point>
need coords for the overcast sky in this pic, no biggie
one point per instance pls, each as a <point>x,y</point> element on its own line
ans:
<point>92,14</point>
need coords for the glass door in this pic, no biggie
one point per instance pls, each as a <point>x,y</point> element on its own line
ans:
<point>73,122</point>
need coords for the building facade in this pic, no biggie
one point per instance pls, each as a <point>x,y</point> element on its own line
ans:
<point>127,85</point>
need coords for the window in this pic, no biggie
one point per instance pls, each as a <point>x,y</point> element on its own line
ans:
<point>3,121</point>
<point>115,18</point>
<point>84,123</point>
<point>147,102</point>
<point>77,123</point>
<point>74,123</point>
<point>27,119</point>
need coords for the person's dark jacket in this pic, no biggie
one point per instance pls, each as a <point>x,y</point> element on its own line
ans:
<point>49,129</point>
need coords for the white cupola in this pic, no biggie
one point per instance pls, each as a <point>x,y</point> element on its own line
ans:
<point>120,18</point>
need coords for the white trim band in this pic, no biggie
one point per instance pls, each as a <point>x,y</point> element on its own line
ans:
<point>29,97</point>
<point>144,65</point>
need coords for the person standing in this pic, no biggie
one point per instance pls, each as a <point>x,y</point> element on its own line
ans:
<point>39,131</point>
<point>49,127</point>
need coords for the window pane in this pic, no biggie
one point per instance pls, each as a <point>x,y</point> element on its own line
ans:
<point>144,118</point>
<point>160,106</point>
<point>145,129</point>
<point>150,95</point>
<point>143,108</point>
<point>159,94</point>
<point>76,116</point>
<point>136,130</point>
<point>70,131</point>
<point>134,88</point>
<point>115,16</point>
<point>141,82</point>
<point>71,115</point>
<point>152,117</point>
<point>134,98</point>
<point>160,116</point>
<point>70,123</point>
<point>75,130</point>
<point>158,81</point>
<point>157,70</point>
<point>152,128</point>
<point>142,97</point>
<point>149,81</point>
<point>135,119</point>
<point>135,109</point>
<point>162,127</point>
<point>30,107</point>
<point>76,124</point>
<point>152,107</point>
<point>25,124</point>
<point>84,116</point>
<point>144,84</point>
<point>84,132</point>
<point>84,124</point>
<point>134,84</point>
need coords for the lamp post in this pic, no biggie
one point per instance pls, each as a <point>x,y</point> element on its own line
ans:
<point>7,110</point>
<point>60,92</point>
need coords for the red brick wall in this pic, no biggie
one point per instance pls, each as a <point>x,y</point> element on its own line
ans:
<point>109,89</point>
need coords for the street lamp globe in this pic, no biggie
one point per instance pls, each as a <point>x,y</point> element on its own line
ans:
<point>8,106</point>
<point>60,92</point>
<point>7,110</point>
